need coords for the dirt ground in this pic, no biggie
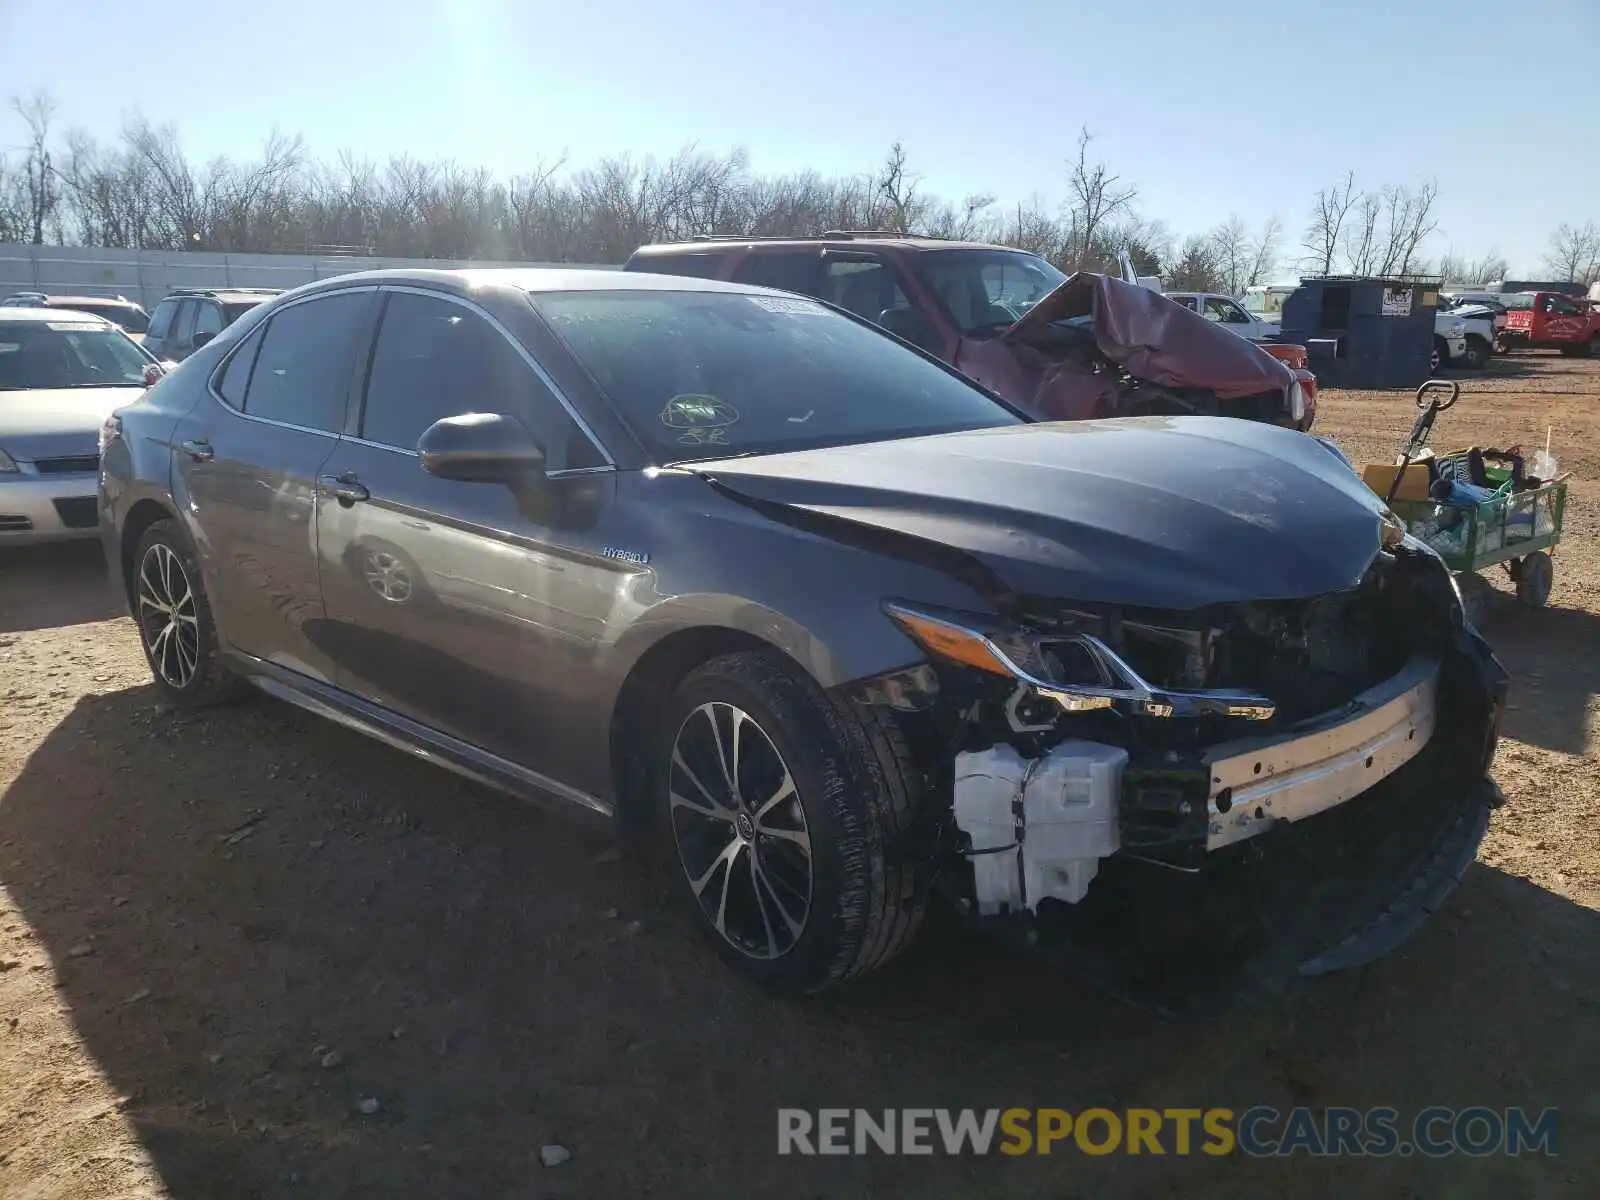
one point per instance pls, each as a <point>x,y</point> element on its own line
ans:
<point>221,934</point>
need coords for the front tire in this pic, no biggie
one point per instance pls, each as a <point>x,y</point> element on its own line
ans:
<point>1439,357</point>
<point>1478,352</point>
<point>786,817</point>
<point>1534,578</point>
<point>176,629</point>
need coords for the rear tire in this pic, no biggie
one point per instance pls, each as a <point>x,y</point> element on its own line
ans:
<point>786,814</point>
<point>176,628</point>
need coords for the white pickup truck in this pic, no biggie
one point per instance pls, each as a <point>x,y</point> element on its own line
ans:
<point>1228,312</point>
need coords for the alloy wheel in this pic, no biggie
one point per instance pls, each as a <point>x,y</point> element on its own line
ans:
<point>740,830</point>
<point>168,620</point>
<point>387,576</point>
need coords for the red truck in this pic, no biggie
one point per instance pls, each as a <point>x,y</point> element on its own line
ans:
<point>1552,321</point>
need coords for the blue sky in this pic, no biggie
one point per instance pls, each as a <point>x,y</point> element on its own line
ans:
<point>1210,108</point>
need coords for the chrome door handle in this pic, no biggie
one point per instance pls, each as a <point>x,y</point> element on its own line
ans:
<point>198,449</point>
<point>345,489</point>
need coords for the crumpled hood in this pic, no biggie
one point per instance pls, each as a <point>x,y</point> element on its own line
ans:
<point>1174,513</point>
<point>1155,338</point>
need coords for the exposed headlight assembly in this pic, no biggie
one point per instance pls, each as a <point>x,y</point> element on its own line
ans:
<point>1077,671</point>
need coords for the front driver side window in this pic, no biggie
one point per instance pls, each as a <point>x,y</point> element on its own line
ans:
<point>435,358</point>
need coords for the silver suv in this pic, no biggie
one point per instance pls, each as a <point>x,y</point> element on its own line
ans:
<point>190,317</point>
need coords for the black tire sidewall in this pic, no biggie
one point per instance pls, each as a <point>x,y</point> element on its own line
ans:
<point>1535,579</point>
<point>826,781</point>
<point>1442,351</point>
<point>1478,352</point>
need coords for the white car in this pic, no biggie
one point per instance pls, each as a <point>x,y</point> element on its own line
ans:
<point>1228,313</point>
<point>61,375</point>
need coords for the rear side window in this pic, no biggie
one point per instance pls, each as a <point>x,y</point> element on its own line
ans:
<point>302,371</point>
<point>161,319</point>
<point>236,375</point>
<point>695,266</point>
<point>790,272</point>
<point>208,319</point>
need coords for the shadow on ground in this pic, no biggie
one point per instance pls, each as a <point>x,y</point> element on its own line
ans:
<point>261,890</point>
<point>55,584</point>
<point>1554,658</point>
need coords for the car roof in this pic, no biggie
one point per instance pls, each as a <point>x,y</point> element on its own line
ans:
<point>537,280</point>
<point>19,313</point>
<point>897,241</point>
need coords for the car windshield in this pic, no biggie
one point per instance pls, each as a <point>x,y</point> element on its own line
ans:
<point>129,317</point>
<point>711,374</point>
<point>67,354</point>
<point>987,290</point>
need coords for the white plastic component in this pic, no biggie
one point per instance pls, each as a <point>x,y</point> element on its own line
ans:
<point>1046,822</point>
<point>1070,819</point>
<point>988,804</point>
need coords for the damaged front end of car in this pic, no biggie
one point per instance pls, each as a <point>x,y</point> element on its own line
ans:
<point>1191,807</point>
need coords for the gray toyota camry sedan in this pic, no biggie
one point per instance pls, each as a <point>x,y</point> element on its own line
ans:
<point>836,630</point>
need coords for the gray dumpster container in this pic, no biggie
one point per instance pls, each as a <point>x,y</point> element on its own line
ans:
<point>1364,331</point>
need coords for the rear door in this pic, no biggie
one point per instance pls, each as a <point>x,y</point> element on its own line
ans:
<point>246,463</point>
<point>462,605</point>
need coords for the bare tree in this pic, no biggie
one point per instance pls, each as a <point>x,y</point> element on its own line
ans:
<point>1574,252</point>
<point>898,189</point>
<point>1362,241</point>
<point>1483,269</point>
<point>1196,267</point>
<point>1322,238</point>
<point>39,175</point>
<point>1097,196</point>
<point>1264,252</point>
<point>1230,245</point>
<point>1410,219</point>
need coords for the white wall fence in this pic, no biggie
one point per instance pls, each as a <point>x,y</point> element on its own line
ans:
<point>145,276</point>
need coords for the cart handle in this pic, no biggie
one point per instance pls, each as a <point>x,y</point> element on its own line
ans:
<point>1438,385</point>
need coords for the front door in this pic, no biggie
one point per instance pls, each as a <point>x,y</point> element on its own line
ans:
<point>463,606</point>
<point>247,460</point>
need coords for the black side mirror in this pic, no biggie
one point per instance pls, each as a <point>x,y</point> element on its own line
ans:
<point>481,448</point>
<point>201,337</point>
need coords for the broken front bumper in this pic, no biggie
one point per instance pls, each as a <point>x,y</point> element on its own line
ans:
<point>1257,783</point>
<point>1376,813</point>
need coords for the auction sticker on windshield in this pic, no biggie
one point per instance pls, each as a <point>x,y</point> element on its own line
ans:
<point>793,308</point>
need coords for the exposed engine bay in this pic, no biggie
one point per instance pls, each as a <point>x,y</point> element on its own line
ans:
<point>1175,777</point>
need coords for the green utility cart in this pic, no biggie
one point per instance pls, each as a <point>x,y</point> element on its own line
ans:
<point>1515,530</point>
